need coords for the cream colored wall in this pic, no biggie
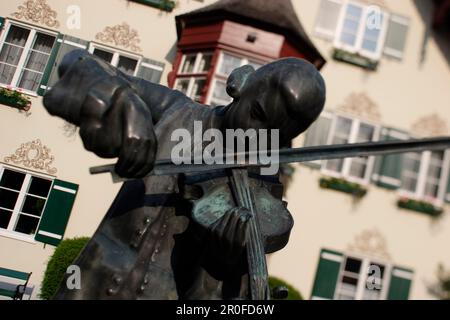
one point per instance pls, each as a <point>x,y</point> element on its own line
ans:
<point>404,91</point>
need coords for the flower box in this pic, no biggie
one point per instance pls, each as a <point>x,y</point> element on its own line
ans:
<point>419,206</point>
<point>166,5</point>
<point>14,99</point>
<point>342,185</point>
<point>355,59</point>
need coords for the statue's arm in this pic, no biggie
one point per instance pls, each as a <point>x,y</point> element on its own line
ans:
<point>115,112</point>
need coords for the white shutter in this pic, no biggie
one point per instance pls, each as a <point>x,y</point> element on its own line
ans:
<point>327,18</point>
<point>396,36</point>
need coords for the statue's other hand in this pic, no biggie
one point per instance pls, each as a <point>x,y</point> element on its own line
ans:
<point>117,123</point>
<point>229,235</point>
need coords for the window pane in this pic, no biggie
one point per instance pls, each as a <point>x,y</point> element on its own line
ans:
<point>17,36</point>
<point>197,89</point>
<point>372,31</point>
<point>127,65</point>
<point>104,55</point>
<point>365,133</point>
<point>352,265</point>
<point>341,135</point>
<point>220,92</point>
<point>342,130</point>
<point>11,52</point>
<point>36,61</point>
<point>12,179</point>
<point>347,289</point>
<point>182,85</point>
<point>6,73</point>
<point>33,205</point>
<point>189,62</point>
<point>229,63</point>
<point>317,134</point>
<point>43,43</point>
<point>205,62</point>
<point>5,216</point>
<point>8,198</point>
<point>350,27</point>
<point>410,171</point>
<point>30,80</point>
<point>358,168</point>
<point>39,187</point>
<point>27,224</point>
<point>434,174</point>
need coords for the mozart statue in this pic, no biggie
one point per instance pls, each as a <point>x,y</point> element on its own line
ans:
<point>149,245</point>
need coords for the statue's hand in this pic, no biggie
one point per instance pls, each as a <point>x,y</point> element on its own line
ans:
<point>124,130</point>
<point>228,236</point>
<point>114,121</point>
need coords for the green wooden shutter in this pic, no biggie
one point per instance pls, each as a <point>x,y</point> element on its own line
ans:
<point>2,23</point>
<point>150,70</point>
<point>50,64</point>
<point>400,284</point>
<point>57,212</point>
<point>388,169</point>
<point>65,44</point>
<point>396,35</point>
<point>327,274</point>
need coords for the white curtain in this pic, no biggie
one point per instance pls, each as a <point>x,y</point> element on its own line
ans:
<point>36,61</point>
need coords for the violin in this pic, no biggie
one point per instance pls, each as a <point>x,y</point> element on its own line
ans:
<point>269,226</point>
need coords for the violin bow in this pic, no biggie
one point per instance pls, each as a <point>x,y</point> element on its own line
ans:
<point>292,155</point>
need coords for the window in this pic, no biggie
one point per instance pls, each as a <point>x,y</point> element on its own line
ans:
<point>348,277</point>
<point>363,29</point>
<point>347,130</point>
<point>423,175</point>
<point>22,200</point>
<point>361,279</point>
<point>227,63</point>
<point>192,74</point>
<point>123,61</point>
<point>24,55</point>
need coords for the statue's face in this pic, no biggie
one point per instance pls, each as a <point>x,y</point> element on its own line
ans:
<point>262,106</point>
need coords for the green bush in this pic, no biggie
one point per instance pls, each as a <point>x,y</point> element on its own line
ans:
<point>64,255</point>
<point>294,294</point>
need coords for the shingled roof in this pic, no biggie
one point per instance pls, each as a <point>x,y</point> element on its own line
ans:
<point>272,15</point>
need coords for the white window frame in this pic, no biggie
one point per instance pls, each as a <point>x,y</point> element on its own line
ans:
<point>222,77</point>
<point>198,59</point>
<point>210,97</point>
<point>345,172</point>
<point>9,232</point>
<point>195,74</point>
<point>362,276</point>
<point>26,49</point>
<point>422,178</point>
<point>357,47</point>
<point>191,81</point>
<point>116,55</point>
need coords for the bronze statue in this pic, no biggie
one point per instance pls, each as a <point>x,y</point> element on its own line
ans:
<point>197,231</point>
<point>182,236</point>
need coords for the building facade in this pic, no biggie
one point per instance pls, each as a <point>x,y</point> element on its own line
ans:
<point>386,75</point>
